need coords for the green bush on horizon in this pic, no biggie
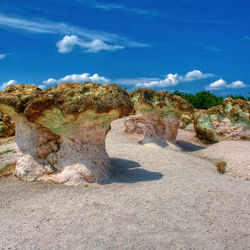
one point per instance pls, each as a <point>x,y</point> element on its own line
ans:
<point>205,99</point>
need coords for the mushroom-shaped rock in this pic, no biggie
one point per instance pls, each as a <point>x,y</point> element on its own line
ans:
<point>158,114</point>
<point>229,120</point>
<point>61,131</point>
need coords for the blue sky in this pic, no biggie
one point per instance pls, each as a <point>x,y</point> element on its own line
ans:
<point>188,45</point>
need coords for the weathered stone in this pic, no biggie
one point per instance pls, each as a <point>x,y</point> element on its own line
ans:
<point>153,128</point>
<point>203,127</point>
<point>158,115</point>
<point>7,127</point>
<point>229,120</point>
<point>61,132</point>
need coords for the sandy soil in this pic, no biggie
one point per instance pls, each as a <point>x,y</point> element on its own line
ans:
<point>7,152</point>
<point>236,154</point>
<point>156,199</point>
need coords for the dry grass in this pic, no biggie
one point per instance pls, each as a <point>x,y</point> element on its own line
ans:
<point>8,170</point>
<point>7,151</point>
<point>221,167</point>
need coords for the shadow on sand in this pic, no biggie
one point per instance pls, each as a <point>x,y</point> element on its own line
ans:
<point>126,171</point>
<point>188,147</point>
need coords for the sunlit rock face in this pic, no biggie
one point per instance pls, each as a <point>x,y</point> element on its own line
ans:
<point>157,115</point>
<point>153,128</point>
<point>61,132</point>
<point>231,120</point>
<point>7,126</point>
<point>203,127</point>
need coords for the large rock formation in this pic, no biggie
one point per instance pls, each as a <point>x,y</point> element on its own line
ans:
<point>7,127</point>
<point>157,115</point>
<point>60,132</point>
<point>229,120</point>
<point>203,127</point>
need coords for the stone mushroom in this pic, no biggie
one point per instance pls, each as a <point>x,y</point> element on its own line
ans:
<point>60,132</point>
<point>157,115</point>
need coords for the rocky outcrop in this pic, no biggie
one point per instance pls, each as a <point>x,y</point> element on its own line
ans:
<point>60,132</point>
<point>153,128</point>
<point>7,127</point>
<point>203,127</point>
<point>157,115</point>
<point>229,120</point>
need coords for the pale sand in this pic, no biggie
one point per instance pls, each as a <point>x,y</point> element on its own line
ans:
<point>157,199</point>
<point>236,154</point>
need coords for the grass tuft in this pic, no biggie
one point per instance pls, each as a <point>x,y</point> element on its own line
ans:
<point>8,169</point>
<point>221,167</point>
<point>7,151</point>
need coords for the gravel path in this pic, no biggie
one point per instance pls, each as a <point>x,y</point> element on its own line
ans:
<point>157,199</point>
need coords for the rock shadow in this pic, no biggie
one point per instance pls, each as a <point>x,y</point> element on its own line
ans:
<point>126,171</point>
<point>188,146</point>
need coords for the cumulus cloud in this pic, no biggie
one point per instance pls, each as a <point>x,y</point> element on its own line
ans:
<point>196,75</point>
<point>222,84</point>
<point>170,80</point>
<point>6,84</point>
<point>217,85</point>
<point>237,84</point>
<point>68,43</point>
<point>76,78</point>
<point>174,79</point>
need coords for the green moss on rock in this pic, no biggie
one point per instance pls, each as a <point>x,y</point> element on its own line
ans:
<point>203,127</point>
<point>162,103</point>
<point>7,127</point>
<point>19,96</point>
<point>75,98</point>
<point>69,97</point>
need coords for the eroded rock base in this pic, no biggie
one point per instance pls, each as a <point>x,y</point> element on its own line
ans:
<point>153,128</point>
<point>73,159</point>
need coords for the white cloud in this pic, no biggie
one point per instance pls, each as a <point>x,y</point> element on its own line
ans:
<point>67,44</point>
<point>6,84</point>
<point>76,78</point>
<point>237,84</point>
<point>145,12</point>
<point>174,79</point>
<point>222,84</point>
<point>134,81</point>
<point>170,80</point>
<point>196,75</point>
<point>42,86</point>
<point>121,7</point>
<point>2,56</point>
<point>44,26</point>
<point>217,85</point>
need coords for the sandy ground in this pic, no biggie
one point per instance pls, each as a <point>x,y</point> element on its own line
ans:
<point>8,154</point>
<point>156,199</point>
<point>236,154</point>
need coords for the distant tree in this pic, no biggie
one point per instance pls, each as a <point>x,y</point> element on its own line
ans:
<point>238,97</point>
<point>206,100</point>
<point>201,100</point>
